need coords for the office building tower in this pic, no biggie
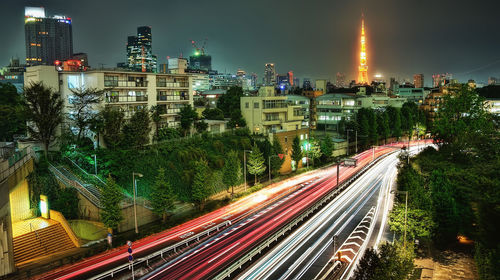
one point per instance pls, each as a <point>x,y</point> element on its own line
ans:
<point>418,80</point>
<point>140,56</point>
<point>269,74</point>
<point>47,38</point>
<point>306,84</point>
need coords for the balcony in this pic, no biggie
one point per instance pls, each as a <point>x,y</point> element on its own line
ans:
<point>172,98</point>
<point>126,84</point>
<point>172,84</point>
<point>126,98</point>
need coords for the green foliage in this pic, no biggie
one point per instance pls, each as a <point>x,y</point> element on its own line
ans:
<point>383,125</point>
<point>112,127</point>
<point>232,170</point>
<point>237,120</point>
<point>276,150</point>
<point>296,151</point>
<point>255,162</point>
<point>12,117</point>
<point>230,102</point>
<point>213,114</point>
<point>168,133</point>
<point>314,149</point>
<point>201,126</point>
<point>156,112</point>
<point>390,262</point>
<point>419,223</point>
<point>394,115</point>
<point>187,116</point>
<point>465,126</point>
<point>326,147</point>
<point>162,195</point>
<point>43,108</point>
<point>111,197</point>
<point>136,130</point>
<point>67,203</point>
<point>200,188</point>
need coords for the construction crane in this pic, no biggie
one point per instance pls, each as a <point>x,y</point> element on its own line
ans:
<point>199,50</point>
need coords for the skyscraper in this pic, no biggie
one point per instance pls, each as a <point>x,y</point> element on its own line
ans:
<point>47,38</point>
<point>363,66</point>
<point>269,74</point>
<point>418,80</point>
<point>140,56</point>
<point>441,79</point>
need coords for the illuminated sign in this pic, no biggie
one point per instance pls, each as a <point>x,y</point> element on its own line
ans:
<point>44,206</point>
<point>37,12</point>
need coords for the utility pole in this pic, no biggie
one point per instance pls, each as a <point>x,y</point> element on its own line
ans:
<point>134,186</point>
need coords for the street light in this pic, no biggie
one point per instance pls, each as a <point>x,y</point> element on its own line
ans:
<point>406,210</point>
<point>245,166</point>
<point>134,186</point>
<point>95,163</point>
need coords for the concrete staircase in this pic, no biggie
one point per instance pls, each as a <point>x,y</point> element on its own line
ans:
<point>41,243</point>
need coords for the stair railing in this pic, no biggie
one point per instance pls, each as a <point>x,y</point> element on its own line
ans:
<point>40,240</point>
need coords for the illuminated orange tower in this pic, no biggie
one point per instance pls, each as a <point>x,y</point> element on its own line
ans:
<point>363,67</point>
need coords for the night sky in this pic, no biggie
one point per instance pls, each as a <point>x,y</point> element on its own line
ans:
<point>314,38</point>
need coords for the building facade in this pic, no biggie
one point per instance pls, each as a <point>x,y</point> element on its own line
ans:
<point>418,80</point>
<point>269,74</point>
<point>126,91</point>
<point>47,38</point>
<point>139,48</point>
<point>416,95</point>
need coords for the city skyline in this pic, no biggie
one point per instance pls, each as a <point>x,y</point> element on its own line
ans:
<point>318,46</point>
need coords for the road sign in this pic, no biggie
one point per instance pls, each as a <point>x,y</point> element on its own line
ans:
<point>350,162</point>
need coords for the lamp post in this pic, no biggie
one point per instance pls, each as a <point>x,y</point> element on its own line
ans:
<point>95,163</point>
<point>134,186</point>
<point>406,211</point>
<point>245,166</point>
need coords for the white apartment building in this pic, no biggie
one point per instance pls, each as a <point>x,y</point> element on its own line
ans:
<point>129,91</point>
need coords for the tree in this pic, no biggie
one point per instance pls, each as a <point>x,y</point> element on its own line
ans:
<point>363,119</point>
<point>383,125</point>
<point>200,190</point>
<point>162,195</point>
<point>394,121</point>
<point>168,133</point>
<point>444,206</point>
<point>255,163</point>
<point>296,151</point>
<point>81,103</point>
<point>236,120</point>
<point>372,134</point>
<point>187,115</point>
<point>201,126</point>
<point>12,117</point>
<point>314,151</point>
<point>96,125</point>
<point>230,102</point>
<point>43,108</point>
<point>390,262</point>
<point>409,113</point>
<point>326,147</point>
<point>136,130</point>
<point>111,196</point>
<point>112,126</point>
<point>213,114</point>
<point>156,112</point>
<point>231,171</point>
<point>419,223</point>
<point>276,151</point>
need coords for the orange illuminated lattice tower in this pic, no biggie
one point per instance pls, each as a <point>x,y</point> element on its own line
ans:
<point>363,66</point>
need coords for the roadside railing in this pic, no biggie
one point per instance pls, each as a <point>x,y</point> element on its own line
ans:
<point>281,232</point>
<point>159,254</point>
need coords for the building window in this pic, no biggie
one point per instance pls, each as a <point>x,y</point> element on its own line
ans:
<point>296,127</point>
<point>110,81</point>
<point>286,139</point>
<point>256,105</point>
<point>247,105</point>
<point>302,137</point>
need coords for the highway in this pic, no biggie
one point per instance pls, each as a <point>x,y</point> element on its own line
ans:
<point>306,251</point>
<point>320,182</point>
<point>211,256</point>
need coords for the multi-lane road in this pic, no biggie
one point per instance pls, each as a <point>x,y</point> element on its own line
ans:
<point>252,220</point>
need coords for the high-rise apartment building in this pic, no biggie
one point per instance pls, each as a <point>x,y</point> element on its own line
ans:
<point>47,38</point>
<point>140,56</point>
<point>418,80</point>
<point>269,74</point>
